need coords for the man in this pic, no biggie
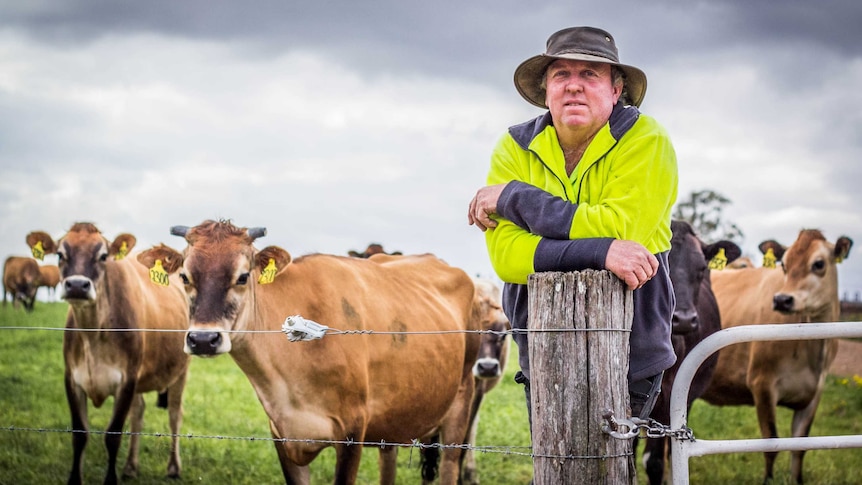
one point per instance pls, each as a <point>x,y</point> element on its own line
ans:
<point>588,185</point>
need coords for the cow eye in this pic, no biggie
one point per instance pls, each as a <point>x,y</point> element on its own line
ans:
<point>818,265</point>
<point>103,257</point>
<point>185,279</point>
<point>242,279</point>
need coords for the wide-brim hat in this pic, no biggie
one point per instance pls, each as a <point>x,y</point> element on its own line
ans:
<point>580,44</point>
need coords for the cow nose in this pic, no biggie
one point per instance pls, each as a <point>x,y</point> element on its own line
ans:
<point>684,322</point>
<point>782,302</point>
<point>486,368</point>
<point>77,287</point>
<point>203,343</point>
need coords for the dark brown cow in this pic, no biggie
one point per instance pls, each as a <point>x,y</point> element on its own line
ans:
<point>104,295</point>
<point>21,279</point>
<point>371,250</point>
<point>50,277</point>
<point>392,387</point>
<point>784,373</point>
<point>695,317</point>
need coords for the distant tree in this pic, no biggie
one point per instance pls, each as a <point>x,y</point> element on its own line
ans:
<point>703,210</point>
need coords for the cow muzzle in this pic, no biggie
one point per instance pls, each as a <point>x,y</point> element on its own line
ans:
<point>684,322</point>
<point>78,288</point>
<point>486,368</point>
<point>783,302</point>
<point>206,343</point>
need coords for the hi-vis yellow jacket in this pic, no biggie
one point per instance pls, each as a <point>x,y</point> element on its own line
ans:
<point>624,187</point>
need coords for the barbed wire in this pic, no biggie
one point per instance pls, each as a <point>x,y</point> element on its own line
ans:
<point>331,331</point>
<point>416,443</point>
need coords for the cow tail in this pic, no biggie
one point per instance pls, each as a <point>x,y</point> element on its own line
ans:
<point>162,402</point>
<point>430,461</point>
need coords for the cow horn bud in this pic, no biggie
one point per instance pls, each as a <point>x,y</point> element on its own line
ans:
<point>256,232</point>
<point>179,231</point>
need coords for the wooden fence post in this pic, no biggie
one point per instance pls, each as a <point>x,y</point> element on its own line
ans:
<point>576,376</point>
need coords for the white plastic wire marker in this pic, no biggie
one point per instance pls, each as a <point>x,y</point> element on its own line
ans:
<point>297,329</point>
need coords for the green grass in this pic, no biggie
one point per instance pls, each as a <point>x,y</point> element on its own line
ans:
<point>219,402</point>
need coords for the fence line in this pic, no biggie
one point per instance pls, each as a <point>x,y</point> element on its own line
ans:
<point>416,443</point>
<point>330,331</point>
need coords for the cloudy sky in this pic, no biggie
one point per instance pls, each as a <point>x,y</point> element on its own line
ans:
<point>340,123</point>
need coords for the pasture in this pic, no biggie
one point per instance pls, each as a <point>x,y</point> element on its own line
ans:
<point>229,434</point>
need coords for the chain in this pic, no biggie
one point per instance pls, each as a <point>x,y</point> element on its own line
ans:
<point>628,428</point>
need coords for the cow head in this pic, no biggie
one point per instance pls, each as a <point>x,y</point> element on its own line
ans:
<point>688,260</point>
<point>82,255</point>
<point>488,310</point>
<point>220,269</point>
<point>811,274</point>
<point>373,248</point>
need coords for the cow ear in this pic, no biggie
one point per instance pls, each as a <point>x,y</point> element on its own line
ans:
<point>171,259</point>
<point>121,246</point>
<point>48,244</point>
<point>353,254</point>
<point>777,249</point>
<point>731,250</point>
<point>271,261</point>
<point>842,248</point>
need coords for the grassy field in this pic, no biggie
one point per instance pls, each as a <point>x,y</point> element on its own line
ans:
<point>222,413</point>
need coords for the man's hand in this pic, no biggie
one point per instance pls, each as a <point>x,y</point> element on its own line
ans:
<point>483,205</point>
<point>631,262</point>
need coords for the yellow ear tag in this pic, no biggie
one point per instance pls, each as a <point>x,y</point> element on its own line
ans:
<point>267,276</point>
<point>158,275</point>
<point>838,259</point>
<point>719,261</point>
<point>123,252</point>
<point>38,251</point>
<point>769,259</point>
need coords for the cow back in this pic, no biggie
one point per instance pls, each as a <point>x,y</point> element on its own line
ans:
<point>391,374</point>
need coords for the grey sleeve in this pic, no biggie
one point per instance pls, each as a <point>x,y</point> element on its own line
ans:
<point>536,211</point>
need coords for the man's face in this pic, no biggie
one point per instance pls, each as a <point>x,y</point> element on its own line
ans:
<point>580,94</point>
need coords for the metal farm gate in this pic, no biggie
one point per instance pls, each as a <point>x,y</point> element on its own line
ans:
<point>683,449</point>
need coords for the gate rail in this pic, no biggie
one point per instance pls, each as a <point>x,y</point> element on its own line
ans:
<point>682,450</point>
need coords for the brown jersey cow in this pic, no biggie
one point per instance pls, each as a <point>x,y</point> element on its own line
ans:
<point>107,297</point>
<point>50,277</point>
<point>21,279</point>
<point>393,387</point>
<point>788,373</point>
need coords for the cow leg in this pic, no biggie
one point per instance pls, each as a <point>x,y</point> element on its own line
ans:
<point>454,431</point>
<point>175,417</point>
<point>293,473</point>
<point>387,462</point>
<point>77,400</point>
<point>114,434</point>
<point>469,474</point>
<point>765,403</point>
<point>347,460</point>
<point>802,421</point>
<point>653,458</point>
<point>136,425</point>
